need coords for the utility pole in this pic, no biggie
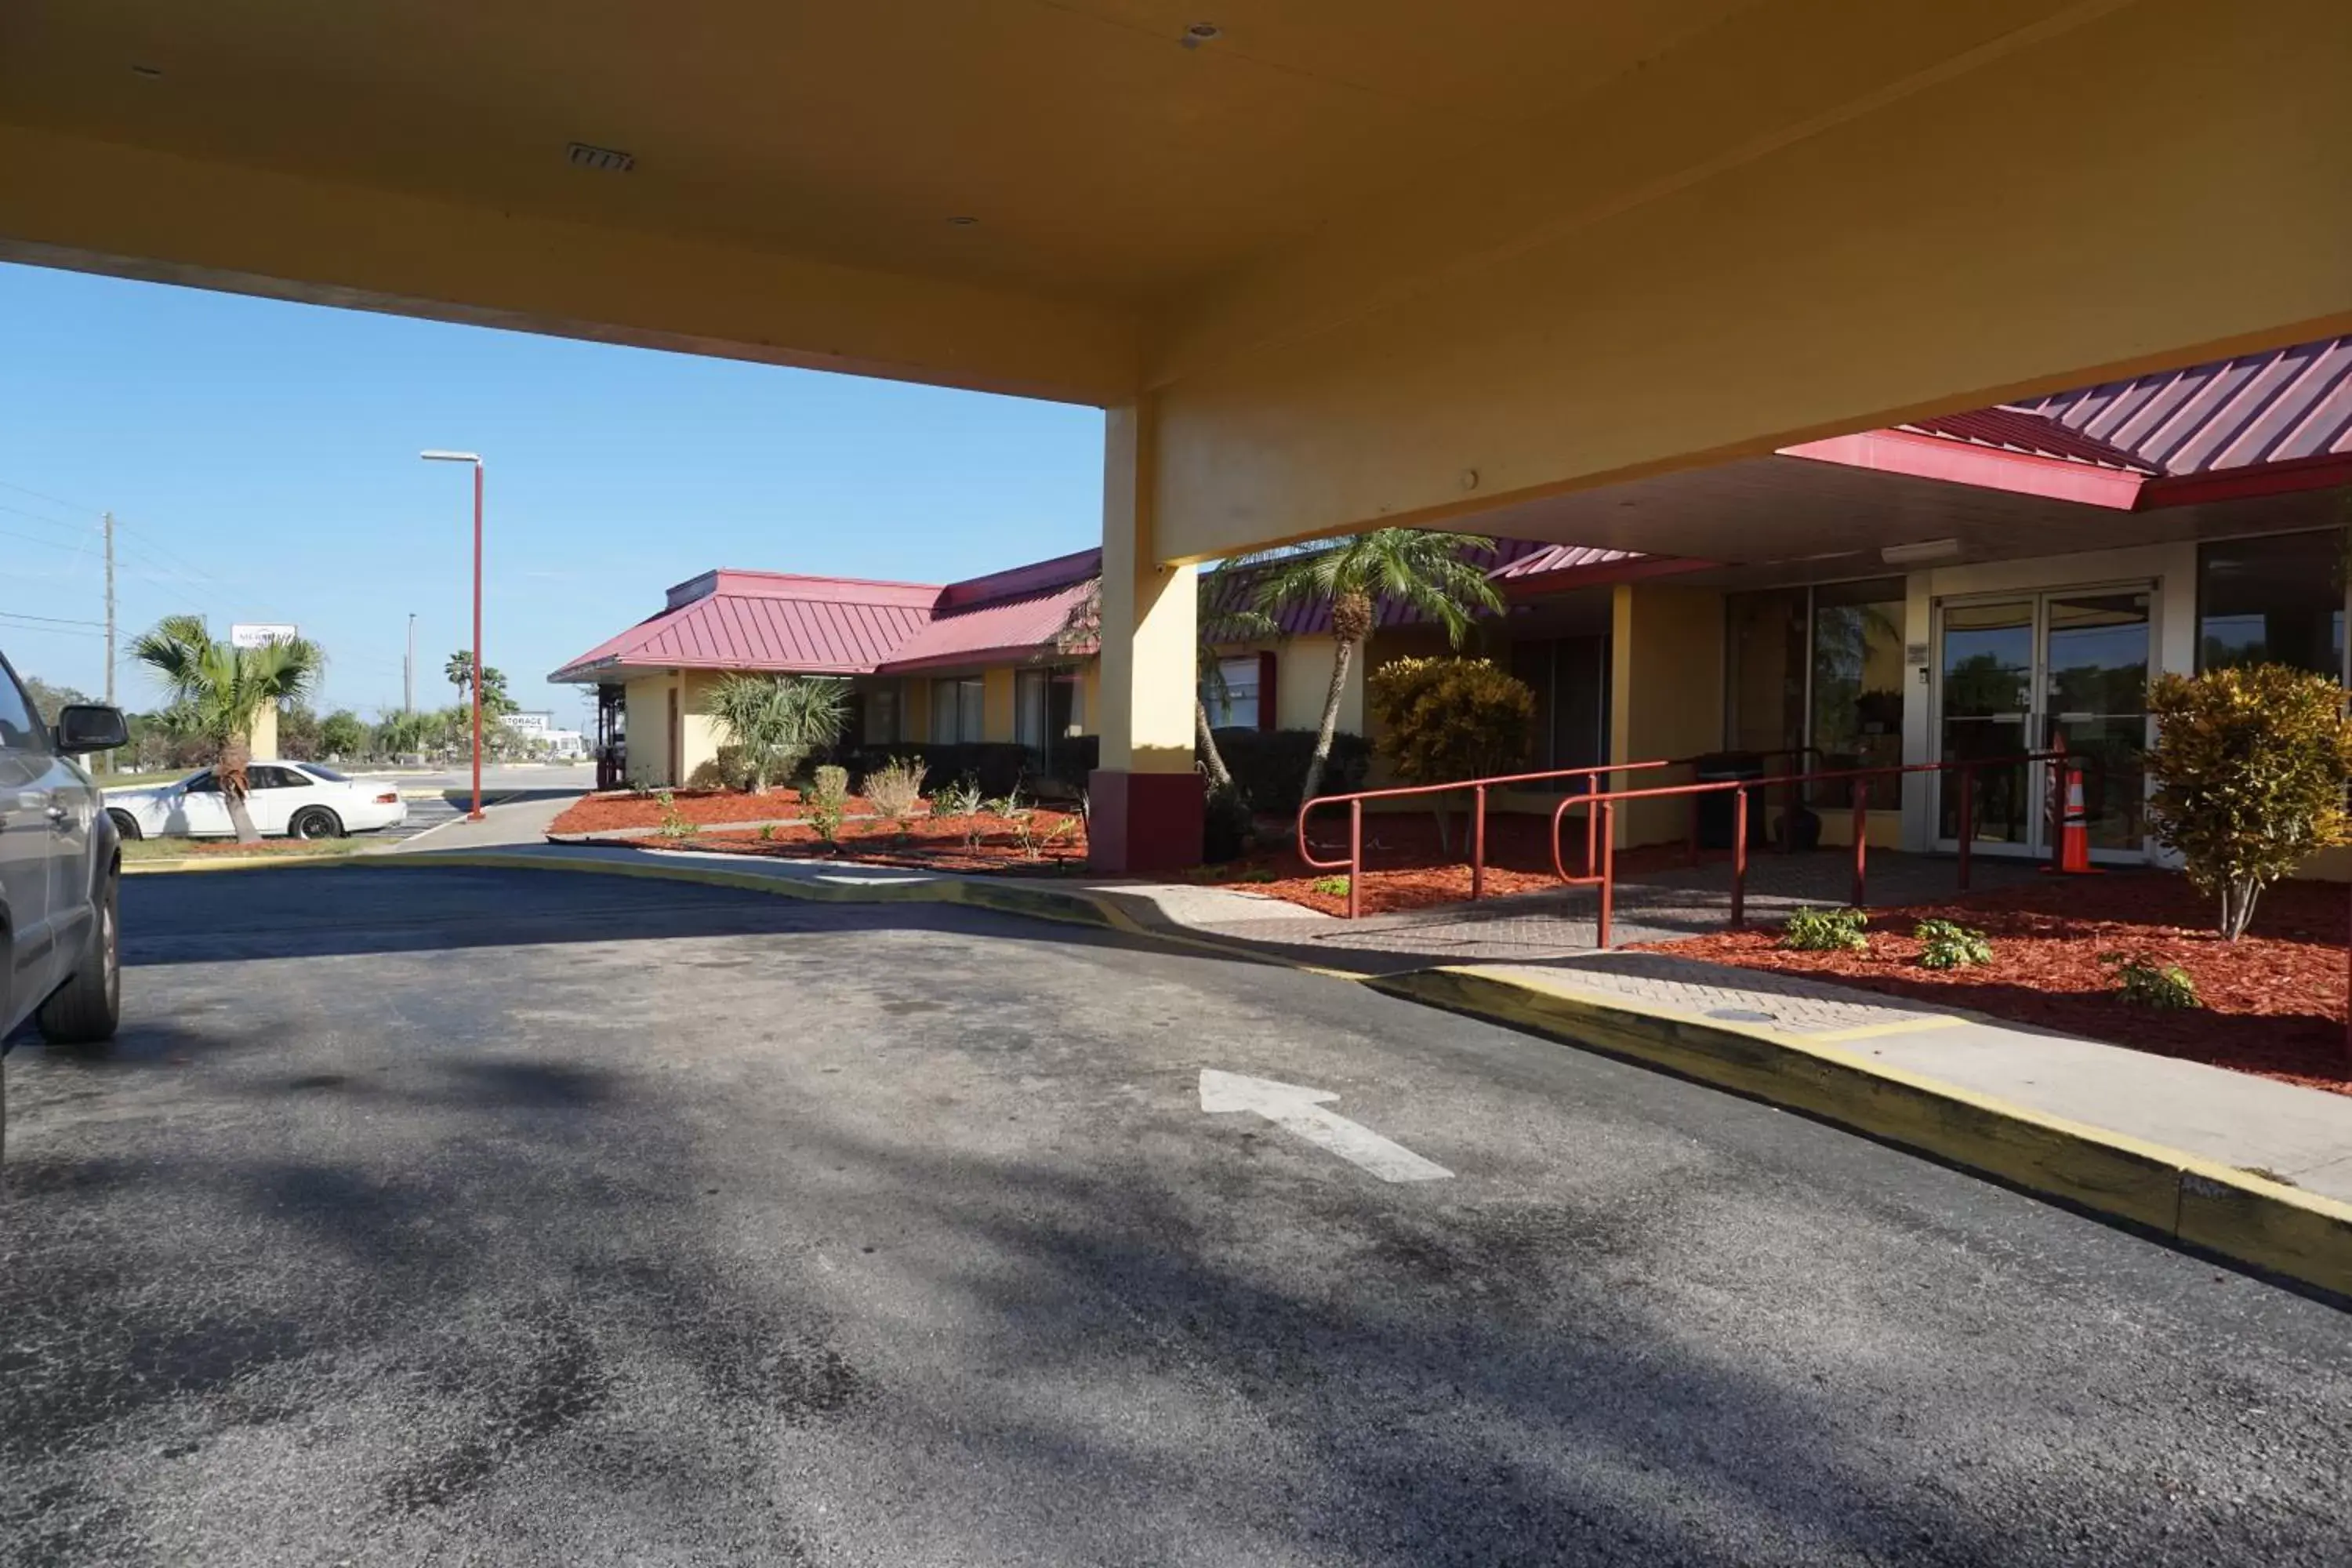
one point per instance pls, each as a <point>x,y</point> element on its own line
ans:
<point>408,669</point>
<point>110,624</point>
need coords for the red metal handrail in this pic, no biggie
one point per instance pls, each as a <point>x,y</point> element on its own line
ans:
<point>1600,808</point>
<point>1354,801</point>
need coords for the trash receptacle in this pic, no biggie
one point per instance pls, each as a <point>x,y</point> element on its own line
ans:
<point>1716,808</point>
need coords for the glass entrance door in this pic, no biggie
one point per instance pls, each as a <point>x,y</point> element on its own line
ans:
<point>2094,650</point>
<point>2025,673</point>
<point>1986,667</point>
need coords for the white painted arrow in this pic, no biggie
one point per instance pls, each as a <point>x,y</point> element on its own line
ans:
<point>1300,1110</point>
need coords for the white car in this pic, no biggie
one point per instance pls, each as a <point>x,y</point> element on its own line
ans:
<point>294,800</point>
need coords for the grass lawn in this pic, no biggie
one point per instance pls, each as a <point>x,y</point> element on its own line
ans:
<point>229,849</point>
<point>135,780</point>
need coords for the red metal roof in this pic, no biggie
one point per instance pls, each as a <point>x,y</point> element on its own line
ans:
<point>1022,625</point>
<point>2011,429</point>
<point>2282,406</point>
<point>767,620</point>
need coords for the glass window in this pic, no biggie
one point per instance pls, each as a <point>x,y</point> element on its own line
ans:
<point>882,715</point>
<point>1857,699</point>
<point>201,784</point>
<point>264,777</point>
<point>21,729</point>
<point>958,710</point>
<point>2271,601</point>
<point>321,770</point>
<point>1233,698</point>
<point>1815,683</point>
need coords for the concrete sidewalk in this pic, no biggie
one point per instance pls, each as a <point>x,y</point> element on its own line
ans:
<point>2244,1166</point>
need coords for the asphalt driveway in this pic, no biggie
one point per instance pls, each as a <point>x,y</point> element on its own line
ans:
<point>458,1216</point>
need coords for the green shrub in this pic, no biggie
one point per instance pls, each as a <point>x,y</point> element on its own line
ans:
<point>1826,930</point>
<point>2249,767</point>
<point>1446,719</point>
<point>1332,887</point>
<point>2144,982</point>
<point>827,801</point>
<point>767,832</point>
<point>674,824</point>
<point>1943,944</point>
<point>777,721</point>
<point>1269,766</point>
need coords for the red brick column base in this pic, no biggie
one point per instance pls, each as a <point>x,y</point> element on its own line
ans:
<point>1143,823</point>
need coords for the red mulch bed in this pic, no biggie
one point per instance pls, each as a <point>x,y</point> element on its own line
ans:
<point>2275,1000</point>
<point>1405,869</point>
<point>930,844</point>
<point>626,808</point>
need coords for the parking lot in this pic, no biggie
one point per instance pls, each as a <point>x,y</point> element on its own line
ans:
<point>456,1215</point>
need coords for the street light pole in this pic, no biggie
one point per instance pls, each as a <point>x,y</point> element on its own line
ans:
<point>475,459</point>
<point>408,669</point>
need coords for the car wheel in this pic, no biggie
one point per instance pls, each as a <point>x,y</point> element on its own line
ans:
<point>126,827</point>
<point>315,822</point>
<point>90,1008</point>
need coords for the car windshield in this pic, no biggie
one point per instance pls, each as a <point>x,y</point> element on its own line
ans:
<point>331,775</point>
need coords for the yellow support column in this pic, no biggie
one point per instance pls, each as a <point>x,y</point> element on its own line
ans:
<point>1146,796</point>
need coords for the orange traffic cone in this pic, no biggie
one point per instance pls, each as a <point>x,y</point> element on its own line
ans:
<point>2074,828</point>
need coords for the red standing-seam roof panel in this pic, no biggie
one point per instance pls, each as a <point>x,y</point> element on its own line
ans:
<point>771,621</point>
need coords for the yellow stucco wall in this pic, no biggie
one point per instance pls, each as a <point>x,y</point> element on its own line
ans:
<point>1665,693</point>
<point>996,694</point>
<point>648,728</point>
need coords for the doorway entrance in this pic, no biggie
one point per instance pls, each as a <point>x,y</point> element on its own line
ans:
<point>2027,672</point>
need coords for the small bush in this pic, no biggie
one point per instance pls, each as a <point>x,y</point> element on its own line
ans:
<point>1447,719</point>
<point>829,800</point>
<point>896,788</point>
<point>1826,930</point>
<point>2249,766</point>
<point>1943,944</point>
<point>1269,766</point>
<point>1001,767</point>
<point>2142,981</point>
<point>767,832</point>
<point>1224,827</point>
<point>674,824</point>
<point>725,771</point>
<point>1331,887</point>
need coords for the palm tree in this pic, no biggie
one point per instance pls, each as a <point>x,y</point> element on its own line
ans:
<point>1430,573</point>
<point>217,690</point>
<point>780,719</point>
<point>459,671</point>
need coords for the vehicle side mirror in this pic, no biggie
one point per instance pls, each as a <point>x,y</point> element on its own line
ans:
<point>87,727</point>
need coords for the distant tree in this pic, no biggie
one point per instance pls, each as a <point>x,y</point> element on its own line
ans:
<point>216,690</point>
<point>342,734</point>
<point>459,671</point>
<point>297,732</point>
<point>496,701</point>
<point>48,699</point>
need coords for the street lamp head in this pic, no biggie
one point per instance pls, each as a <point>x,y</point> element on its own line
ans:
<point>451,457</point>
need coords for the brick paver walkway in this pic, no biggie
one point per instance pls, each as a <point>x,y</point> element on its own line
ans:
<point>1659,906</point>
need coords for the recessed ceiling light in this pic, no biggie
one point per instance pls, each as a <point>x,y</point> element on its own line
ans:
<point>604,159</point>
<point>147,73</point>
<point>1200,33</point>
<point>963,221</point>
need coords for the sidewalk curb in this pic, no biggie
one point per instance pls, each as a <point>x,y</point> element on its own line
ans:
<point>247,862</point>
<point>2201,1203</point>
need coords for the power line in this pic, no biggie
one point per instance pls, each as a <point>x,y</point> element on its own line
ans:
<point>53,620</point>
<point>8,619</point>
<point>81,549</point>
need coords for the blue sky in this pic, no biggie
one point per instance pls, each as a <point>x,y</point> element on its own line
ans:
<point>260,458</point>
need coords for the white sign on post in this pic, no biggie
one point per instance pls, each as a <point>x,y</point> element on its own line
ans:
<point>261,634</point>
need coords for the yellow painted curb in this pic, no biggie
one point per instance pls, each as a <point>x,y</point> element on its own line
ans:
<point>2268,1225</point>
<point>2279,1229</point>
<point>244,862</point>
